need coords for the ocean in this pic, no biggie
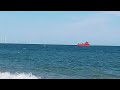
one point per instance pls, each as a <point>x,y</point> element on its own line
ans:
<point>38,61</point>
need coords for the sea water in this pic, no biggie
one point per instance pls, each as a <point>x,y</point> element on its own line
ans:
<point>38,61</point>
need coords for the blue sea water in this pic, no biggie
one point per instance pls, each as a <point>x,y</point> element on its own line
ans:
<point>59,61</point>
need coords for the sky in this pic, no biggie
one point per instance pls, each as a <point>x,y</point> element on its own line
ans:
<point>60,27</point>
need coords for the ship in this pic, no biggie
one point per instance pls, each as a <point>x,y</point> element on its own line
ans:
<point>83,44</point>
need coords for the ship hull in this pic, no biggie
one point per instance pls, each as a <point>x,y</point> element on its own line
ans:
<point>83,44</point>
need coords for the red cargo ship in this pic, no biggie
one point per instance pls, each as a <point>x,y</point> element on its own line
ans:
<point>83,44</point>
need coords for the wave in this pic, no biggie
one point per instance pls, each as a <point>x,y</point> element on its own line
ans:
<point>8,75</point>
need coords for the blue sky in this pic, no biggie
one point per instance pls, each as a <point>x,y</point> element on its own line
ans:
<point>60,27</point>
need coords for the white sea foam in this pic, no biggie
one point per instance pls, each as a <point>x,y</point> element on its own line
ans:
<point>8,75</point>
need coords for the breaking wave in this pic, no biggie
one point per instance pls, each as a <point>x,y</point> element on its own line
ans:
<point>8,75</point>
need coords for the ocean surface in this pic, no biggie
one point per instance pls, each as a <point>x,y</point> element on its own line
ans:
<point>25,61</point>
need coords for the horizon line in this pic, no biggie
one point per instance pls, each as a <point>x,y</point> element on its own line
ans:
<point>55,44</point>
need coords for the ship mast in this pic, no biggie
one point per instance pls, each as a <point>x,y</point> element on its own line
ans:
<point>1,39</point>
<point>5,39</point>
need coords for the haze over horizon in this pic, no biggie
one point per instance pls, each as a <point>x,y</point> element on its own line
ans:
<point>60,27</point>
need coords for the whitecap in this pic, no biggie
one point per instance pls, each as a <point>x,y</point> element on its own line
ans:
<point>8,75</point>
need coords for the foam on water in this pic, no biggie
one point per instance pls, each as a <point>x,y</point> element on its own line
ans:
<point>8,75</point>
